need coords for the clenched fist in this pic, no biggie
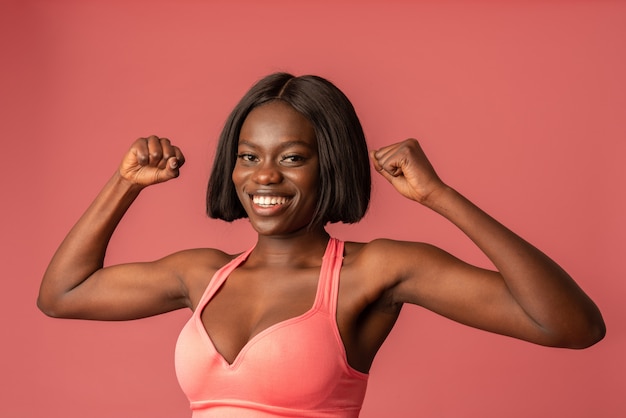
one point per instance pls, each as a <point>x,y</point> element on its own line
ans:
<point>150,161</point>
<point>406,167</point>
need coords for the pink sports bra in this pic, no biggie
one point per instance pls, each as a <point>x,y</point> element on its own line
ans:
<point>295,368</point>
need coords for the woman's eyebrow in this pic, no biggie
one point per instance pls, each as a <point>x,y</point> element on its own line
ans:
<point>283,145</point>
<point>247,143</point>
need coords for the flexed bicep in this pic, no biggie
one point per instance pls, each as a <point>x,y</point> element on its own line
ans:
<point>77,266</point>
<point>474,296</point>
<point>124,292</point>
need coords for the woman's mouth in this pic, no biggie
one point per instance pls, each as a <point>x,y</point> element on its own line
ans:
<point>269,201</point>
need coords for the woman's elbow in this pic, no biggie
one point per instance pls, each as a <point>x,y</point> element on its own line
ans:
<point>584,335</point>
<point>47,308</point>
<point>594,334</point>
<point>51,307</point>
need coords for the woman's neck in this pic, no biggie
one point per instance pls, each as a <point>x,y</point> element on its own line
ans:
<point>303,248</point>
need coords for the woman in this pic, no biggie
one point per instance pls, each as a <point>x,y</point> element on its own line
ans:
<point>291,326</point>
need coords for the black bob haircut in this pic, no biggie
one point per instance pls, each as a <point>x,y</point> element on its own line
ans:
<point>345,179</point>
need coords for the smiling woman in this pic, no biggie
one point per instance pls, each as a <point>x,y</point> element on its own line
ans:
<point>291,326</point>
<point>277,171</point>
<point>344,188</point>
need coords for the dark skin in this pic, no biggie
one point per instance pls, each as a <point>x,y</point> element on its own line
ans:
<point>527,296</point>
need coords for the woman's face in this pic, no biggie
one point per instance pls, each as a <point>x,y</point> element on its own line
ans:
<point>277,170</point>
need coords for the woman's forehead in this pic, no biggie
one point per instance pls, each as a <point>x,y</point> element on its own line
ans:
<point>277,122</point>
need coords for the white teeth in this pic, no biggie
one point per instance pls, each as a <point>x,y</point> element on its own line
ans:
<point>269,200</point>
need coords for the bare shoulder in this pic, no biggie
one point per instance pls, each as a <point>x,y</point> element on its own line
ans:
<point>381,251</point>
<point>195,268</point>
<point>200,258</point>
<point>378,270</point>
<point>386,261</point>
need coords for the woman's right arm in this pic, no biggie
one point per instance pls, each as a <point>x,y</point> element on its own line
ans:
<point>76,285</point>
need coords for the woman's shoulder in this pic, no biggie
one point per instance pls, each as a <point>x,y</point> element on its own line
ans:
<point>387,260</point>
<point>383,248</point>
<point>196,267</point>
<point>371,270</point>
<point>192,261</point>
<point>200,258</point>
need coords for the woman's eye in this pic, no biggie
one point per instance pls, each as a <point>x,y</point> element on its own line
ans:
<point>293,158</point>
<point>246,157</point>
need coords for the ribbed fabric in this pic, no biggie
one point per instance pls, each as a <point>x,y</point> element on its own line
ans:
<point>295,368</point>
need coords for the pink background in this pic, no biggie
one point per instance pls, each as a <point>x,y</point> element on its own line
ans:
<point>520,106</point>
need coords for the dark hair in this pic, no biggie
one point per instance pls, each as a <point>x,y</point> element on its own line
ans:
<point>345,180</point>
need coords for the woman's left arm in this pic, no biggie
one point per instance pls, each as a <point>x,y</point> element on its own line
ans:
<point>528,297</point>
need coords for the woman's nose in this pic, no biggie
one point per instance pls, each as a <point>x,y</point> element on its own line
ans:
<point>267,173</point>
